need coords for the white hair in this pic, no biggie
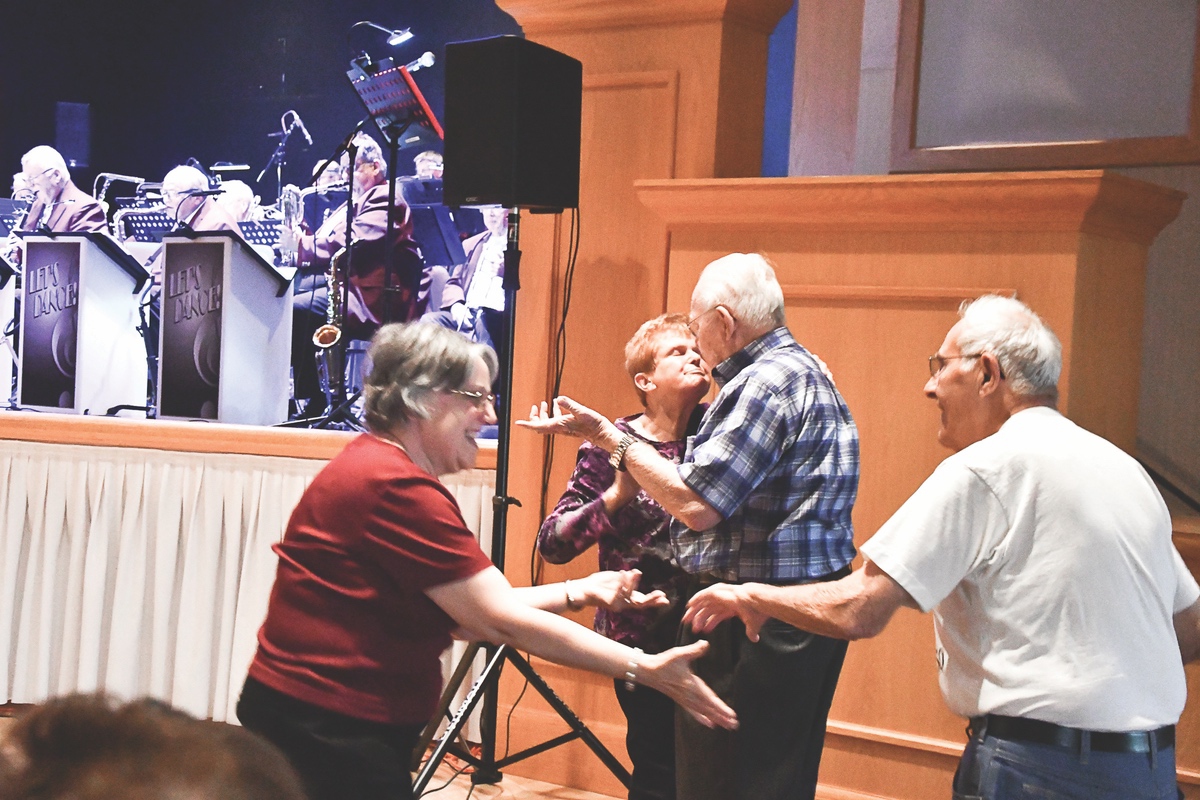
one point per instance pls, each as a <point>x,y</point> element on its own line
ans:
<point>369,152</point>
<point>187,178</point>
<point>1029,353</point>
<point>44,157</point>
<point>746,285</point>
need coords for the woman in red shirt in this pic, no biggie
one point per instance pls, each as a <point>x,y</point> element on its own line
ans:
<point>377,568</point>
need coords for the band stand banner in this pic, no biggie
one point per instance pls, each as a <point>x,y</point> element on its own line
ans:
<point>80,348</point>
<point>225,333</point>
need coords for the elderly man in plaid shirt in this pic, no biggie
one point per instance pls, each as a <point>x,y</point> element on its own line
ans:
<point>764,494</point>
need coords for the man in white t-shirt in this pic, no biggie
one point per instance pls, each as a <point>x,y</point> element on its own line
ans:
<point>1063,612</point>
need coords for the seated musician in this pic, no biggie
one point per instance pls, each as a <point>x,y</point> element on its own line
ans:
<point>367,304</point>
<point>239,201</point>
<point>59,206</point>
<point>180,193</point>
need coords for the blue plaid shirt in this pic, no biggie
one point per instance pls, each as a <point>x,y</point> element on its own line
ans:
<point>777,456</point>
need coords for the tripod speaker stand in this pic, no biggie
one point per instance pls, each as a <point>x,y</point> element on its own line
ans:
<point>513,119</point>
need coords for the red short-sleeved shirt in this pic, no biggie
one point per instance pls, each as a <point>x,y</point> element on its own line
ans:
<point>349,627</point>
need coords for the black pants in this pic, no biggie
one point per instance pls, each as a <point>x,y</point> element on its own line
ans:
<point>650,741</point>
<point>781,688</point>
<point>337,756</point>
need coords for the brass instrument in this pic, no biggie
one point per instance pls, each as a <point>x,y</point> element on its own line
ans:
<point>328,337</point>
<point>291,208</point>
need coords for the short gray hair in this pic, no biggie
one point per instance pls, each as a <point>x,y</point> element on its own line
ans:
<point>746,285</point>
<point>409,362</point>
<point>369,152</point>
<point>1029,353</point>
<point>44,157</point>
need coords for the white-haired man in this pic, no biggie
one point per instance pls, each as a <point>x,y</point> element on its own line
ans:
<point>60,206</point>
<point>764,494</point>
<point>183,190</point>
<point>1061,607</point>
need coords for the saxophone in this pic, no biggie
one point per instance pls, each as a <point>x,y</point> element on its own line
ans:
<point>291,211</point>
<point>328,337</point>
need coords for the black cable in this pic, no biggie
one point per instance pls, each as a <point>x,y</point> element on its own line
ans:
<point>457,772</point>
<point>558,356</point>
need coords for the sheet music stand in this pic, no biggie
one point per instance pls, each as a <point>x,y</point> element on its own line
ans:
<point>392,99</point>
<point>145,226</point>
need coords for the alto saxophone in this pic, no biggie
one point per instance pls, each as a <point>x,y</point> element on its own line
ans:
<point>327,337</point>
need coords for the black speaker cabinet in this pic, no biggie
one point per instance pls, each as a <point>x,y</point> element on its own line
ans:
<point>73,133</point>
<point>512,125</point>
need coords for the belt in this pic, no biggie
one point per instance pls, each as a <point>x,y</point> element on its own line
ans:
<point>1022,729</point>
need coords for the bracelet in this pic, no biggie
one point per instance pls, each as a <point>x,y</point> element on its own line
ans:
<point>618,453</point>
<point>572,603</point>
<point>631,670</point>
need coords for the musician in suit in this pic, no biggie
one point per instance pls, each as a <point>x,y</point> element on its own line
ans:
<point>181,194</point>
<point>470,299</point>
<point>367,303</point>
<point>60,206</point>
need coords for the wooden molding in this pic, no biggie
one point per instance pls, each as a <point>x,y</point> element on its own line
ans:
<point>192,437</point>
<point>559,16</point>
<point>1090,201</point>
<point>948,298</point>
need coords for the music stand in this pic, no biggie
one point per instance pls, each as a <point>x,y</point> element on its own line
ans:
<point>393,101</point>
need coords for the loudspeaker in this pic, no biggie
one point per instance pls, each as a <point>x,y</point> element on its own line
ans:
<point>73,133</point>
<point>512,125</point>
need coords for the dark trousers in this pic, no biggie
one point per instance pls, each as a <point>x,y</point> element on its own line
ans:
<point>781,688</point>
<point>650,741</point>
<point>337,756</point>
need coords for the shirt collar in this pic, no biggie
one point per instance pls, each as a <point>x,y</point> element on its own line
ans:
<point>728,369</point>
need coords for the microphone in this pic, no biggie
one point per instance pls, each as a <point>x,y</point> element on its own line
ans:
<point>426,59</point>
<point>299,123</point>
<point>112,176</point>
<point>204,192</point>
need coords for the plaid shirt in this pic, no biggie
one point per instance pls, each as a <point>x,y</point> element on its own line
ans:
<point>777,456</point>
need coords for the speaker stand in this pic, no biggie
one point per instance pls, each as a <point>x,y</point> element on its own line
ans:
<point>487,686</point>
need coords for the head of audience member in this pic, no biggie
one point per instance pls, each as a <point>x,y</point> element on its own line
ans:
<point>664,363</point>
<point>22,190</point>
<point>370,169</point>
<point>999,358</point>
<point>178,185</point>
<point>238,200</point>
<point>91,747</point>
<point>430,388</point>
<point>46,172</point>
<point>736,300</point>
<point>427,165</point>
<point>495,219</point>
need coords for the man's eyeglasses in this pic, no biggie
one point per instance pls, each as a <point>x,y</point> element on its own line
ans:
<point>478,399</point>
<point>691,323</point>
<point>938,363</point>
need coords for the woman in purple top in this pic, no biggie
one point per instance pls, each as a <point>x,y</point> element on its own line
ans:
<point>607,508</point>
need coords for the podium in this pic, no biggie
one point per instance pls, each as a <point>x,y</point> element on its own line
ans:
<point>226,331</point>
<point>80,349</point>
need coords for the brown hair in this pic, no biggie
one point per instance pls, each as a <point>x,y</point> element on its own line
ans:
<point>639,350</point>
<point>92,747</point>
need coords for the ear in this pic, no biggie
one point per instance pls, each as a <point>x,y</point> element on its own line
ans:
<point>990,374</point>
<point>728,323</point>
<point>643,382</point>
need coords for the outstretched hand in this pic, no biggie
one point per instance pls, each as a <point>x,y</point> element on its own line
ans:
<point>710,607</point>
<point>569,419</point>
<point>671,673</point>
<point>617,591</point>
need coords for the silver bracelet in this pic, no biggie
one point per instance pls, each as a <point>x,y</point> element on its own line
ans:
<point>572,603</point>
<point>631,670</point>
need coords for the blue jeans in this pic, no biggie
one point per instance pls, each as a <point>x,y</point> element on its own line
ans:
<point>998,769</point>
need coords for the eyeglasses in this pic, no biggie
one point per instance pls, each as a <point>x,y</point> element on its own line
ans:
<point>691,323</point>
<point>938,363</point>
<point>478,399</point>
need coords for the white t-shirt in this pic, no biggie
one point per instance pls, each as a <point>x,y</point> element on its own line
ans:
<point>1045,553</point>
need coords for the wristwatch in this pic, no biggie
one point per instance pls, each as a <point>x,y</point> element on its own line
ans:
<point>616,460</point>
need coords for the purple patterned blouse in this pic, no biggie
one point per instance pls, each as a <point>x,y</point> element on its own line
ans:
<point>636,537</point>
